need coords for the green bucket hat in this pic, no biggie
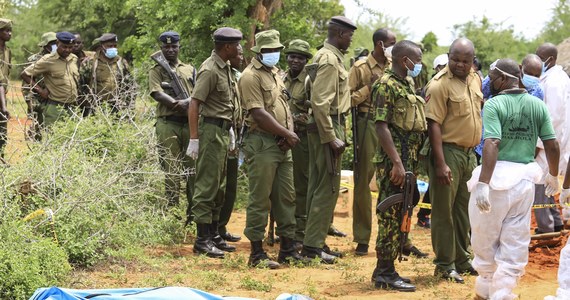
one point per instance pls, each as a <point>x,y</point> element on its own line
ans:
<point>299,47</point>
<point>360,51</point>
<point>268,39</point>
<point>47,38</point>
<point>5,23</point>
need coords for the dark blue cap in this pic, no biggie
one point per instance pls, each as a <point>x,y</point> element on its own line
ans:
<point>169,37</point>
<point>65,37</point>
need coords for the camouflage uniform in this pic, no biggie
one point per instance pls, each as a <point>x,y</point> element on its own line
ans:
<point>404,113</point>
<point>35,102</point>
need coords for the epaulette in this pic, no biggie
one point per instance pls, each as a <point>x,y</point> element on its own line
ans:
<point>440,74</point>
<point>359,63</point>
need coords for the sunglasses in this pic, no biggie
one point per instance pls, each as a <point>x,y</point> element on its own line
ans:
<point>494,67</point>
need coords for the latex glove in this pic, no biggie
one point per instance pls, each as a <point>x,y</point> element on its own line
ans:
<point>193,147</point>
<point>551,183</point>
<point>232,145</point>
<point>565,197</point>
<point>481,193</point>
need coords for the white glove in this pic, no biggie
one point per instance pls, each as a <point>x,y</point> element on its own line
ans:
<point>481,193</point>
<point>551,183</point>
<point>193,147</point>
<point>565,197</point>
<point>232,145</point>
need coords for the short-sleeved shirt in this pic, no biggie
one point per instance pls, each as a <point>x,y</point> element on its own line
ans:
<point>360,76</point>
<point>5,66</point>
<point>213,88</point>
<point>330,94</point>
<point>158,75</point>
<point>395,92</point>
<point>60,75</point>
<point>263,88</point>
<point>518,120</point>
<point>456,106</point>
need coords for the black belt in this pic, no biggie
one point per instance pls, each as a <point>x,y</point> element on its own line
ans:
<point>341,118</point>
<point>66,105</point>
<point>364,114</point>
<point>463,149</point>
<point>222,123</point>
<point>177,119</point>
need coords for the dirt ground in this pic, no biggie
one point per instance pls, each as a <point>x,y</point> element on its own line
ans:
<point>349,279</point>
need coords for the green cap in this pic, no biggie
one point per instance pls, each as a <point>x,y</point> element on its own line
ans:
<point>299,47</point>
<point>47,38</point>
<point>5,23</point>
<point>360,51</point>
<point>268,39</point>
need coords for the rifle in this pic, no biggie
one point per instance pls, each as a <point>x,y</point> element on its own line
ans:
<point>177,86</point>
<point>330,159</point>
<point>271,233</point>
<point>356,148</point>
<point>407,200</point>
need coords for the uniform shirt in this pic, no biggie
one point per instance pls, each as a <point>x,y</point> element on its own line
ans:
<point>213,88</point>
<point>5,66</point>
<point>556,85</point>
<point>518,120</point>
<point>106,76</point>
<point>60,76</point>
<point>262,88</point>
<point>158,75</point>
<point>360,77</point>
<point>456,106</point>
<point>330,94</point>
<point>395,91</point>
<point>299,102</point>
<point>239,113</point>
<point>26,90</point>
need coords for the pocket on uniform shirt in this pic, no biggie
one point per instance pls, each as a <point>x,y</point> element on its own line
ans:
<point>57,74</point>
<point>458,106</point>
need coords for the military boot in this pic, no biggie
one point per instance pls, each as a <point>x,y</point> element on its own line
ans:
<point>218,240</point>
<point>258,257</point>
<point>378,270</point>
<point>287,252</point>
<point>387,277</point>
<point>312,252</point>
<point>204,243</point>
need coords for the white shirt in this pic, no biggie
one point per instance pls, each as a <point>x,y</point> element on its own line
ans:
<point>556,85</point>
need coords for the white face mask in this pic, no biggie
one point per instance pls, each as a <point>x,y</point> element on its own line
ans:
<point>387,51</point>
<point>53,48</point>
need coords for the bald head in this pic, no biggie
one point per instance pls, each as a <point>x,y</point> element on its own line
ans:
<point>461,54</point>
<point>546,50</point>
<point>532,65</point>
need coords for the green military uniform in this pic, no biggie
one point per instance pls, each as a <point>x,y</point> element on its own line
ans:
<point>107,80</point>
<point>403,112</point>
<point>60,77</point>
<point>330,101</point>
<point>456,106</point>
<point>358,81</point>
<point>5,66</point>
<point>270,169</point>
<point>213,88</point>
<point>172,132</point>
<point>299,104</point>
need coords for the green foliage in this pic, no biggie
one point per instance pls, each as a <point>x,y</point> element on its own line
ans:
<point>27,261</point>
<point>557,29</point>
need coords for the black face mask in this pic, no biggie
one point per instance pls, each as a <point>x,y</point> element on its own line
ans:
<point>494,91</point>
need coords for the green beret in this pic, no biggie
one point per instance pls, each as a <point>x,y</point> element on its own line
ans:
<point>268,39</point>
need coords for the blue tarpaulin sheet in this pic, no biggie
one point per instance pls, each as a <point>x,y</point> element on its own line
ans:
<point>162,293</point>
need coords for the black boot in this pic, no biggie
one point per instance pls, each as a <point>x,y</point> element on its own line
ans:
<point>287,252</point>
<point>329,251</point>
<point>204,243</point>
<point>312,252</point>
<point>387,277</point>
<point>218,240</point>
<point>378,269</point>
<point>258,257</point>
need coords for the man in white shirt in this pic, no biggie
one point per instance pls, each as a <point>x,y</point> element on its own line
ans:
<point>556,85</point>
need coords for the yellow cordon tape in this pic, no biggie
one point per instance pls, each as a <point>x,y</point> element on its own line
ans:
<point>428,205</point>
<point>50,216</point>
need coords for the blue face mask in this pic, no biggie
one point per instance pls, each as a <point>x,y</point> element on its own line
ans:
<point>529,81</point>
<point>111,52</point>
<point>270,59</point>
<point>53,48</point>
<point>417,69</point>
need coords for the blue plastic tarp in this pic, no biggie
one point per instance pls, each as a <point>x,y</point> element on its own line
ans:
<point>162,293</point>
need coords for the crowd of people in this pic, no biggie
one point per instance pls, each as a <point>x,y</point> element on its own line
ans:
<point>491,146</point>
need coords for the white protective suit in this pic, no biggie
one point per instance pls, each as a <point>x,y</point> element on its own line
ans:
<point>500,238</point>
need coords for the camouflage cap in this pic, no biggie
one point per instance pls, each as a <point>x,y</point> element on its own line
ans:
<point>47,38</point>
<point>343,22</point>
<point>95,44</point>
<point>108,37</point>
<point>360,51</point>
<point>65,37</point>
<point>5,23</point>
<point>169,37</point>
<point>299,47</point>
<point>227,35</point>
<point>268,39</point>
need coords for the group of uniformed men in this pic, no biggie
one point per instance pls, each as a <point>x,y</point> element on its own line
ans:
<point>290,127</point>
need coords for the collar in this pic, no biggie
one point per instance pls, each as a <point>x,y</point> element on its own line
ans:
<point>299,77</point>
<point>68,58</point>
<point>219,61</point>
<point>334,50</point>
<point>513,91</point>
